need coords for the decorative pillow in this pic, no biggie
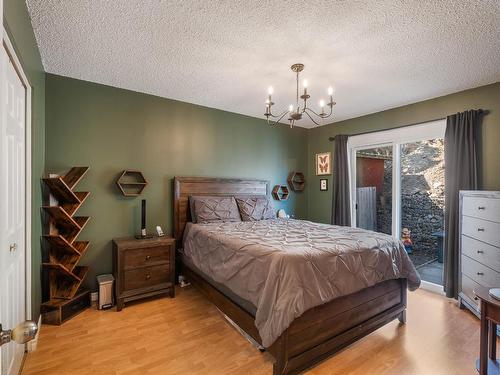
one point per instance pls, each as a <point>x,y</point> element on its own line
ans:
<point>213,209</point>
<point>255,208</point>
<point>269,211</point>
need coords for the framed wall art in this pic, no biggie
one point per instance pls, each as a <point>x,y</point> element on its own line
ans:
<point>323,164</point>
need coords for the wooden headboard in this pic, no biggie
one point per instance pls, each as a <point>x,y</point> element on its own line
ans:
<point>186,186</point>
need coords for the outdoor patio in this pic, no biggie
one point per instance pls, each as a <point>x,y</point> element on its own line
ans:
<point>431,272</point>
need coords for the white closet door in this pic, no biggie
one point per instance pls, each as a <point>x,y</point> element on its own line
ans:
<point>12,210</point>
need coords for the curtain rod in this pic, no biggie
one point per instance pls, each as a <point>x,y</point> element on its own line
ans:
<point>331,139</point>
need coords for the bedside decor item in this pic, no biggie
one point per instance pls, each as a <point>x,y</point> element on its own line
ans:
<point>323,184</point>
<point>131,183</point>
<point>159,231</point>
<point>143,268</point>
<point>280,192</point>
<point>282,214</point>
<point>64,251</point>
<point>495,293</point>
<point>143,233</point>
<point>296,181</point>
<point>295,114</point>
<point>323,164</point>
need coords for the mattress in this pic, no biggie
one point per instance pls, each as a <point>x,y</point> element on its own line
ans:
<point>282,268</point>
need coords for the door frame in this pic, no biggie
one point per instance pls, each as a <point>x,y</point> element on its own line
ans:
<point>390,137</point>
<point>395,137</point>
<point>7,44</point>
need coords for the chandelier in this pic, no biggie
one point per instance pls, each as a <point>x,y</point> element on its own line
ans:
<point>296,113</point>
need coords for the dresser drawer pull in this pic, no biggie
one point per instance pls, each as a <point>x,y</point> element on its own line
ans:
<point>148,276</point>
<point>481,208</point>
<point>148,257</point>
<point>480,229</point>
<point>480,273</point>
<point>480,252</point>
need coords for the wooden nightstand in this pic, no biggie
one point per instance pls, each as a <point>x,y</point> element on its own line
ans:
<point>143,268</point>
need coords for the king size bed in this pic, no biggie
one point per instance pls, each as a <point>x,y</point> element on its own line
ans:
<point>302,290</point>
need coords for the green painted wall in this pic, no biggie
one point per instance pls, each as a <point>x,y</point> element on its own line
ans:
<point>18,26</point>
<point>486,97</point>
<point>111,129</point>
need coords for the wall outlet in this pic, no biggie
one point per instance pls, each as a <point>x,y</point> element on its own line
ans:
<point>94,297</point>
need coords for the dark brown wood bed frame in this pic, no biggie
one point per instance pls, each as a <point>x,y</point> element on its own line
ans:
<point>320,331</point>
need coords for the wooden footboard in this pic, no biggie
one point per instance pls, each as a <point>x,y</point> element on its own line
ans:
<point>320,331</point>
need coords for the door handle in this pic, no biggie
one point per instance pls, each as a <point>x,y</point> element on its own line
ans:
<point>23,333</point>
<point>12,247</point>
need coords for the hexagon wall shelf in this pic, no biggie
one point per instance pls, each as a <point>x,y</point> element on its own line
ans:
<point>296,181</point>
<point>280,192</point>
<point>131,183</point>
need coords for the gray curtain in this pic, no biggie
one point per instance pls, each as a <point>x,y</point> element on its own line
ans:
<point>341,204</point>
<point>460,174</point>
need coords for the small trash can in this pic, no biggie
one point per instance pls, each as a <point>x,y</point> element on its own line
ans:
<point>106,297</point>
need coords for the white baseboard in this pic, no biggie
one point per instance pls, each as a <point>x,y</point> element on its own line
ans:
<point>31,346</point>
<point>431,287</point>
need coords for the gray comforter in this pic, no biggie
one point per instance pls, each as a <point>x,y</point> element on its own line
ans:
<point>285,267</point>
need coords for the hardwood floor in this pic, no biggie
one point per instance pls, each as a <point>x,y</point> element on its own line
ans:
<point>187,335</point>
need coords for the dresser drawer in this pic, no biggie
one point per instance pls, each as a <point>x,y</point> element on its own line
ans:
<point>146,277</point>
<point>480,273</point>
<point>147,256</point>
<point>483,230</point>
<point>482,208</point>
<point>482,252</point>
<point>468,286</point>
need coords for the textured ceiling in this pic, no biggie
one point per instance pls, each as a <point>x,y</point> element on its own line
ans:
<point>224,54</point>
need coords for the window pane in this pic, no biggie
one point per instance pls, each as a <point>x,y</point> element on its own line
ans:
<point>422,205</point>
<point>374,189</point>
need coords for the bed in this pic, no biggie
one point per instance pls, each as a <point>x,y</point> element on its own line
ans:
<point>315,330</point>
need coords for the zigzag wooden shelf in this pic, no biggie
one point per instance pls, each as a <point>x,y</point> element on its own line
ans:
<point>65,276</point>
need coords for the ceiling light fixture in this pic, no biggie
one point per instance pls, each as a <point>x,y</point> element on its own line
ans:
<point>296,115</point>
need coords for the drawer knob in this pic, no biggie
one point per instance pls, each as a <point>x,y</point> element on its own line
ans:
<point>481,208</point>
<point>480,273</point>
<point>480,252</point>
<point>148,276</point>
<point>480,229</point>
<point>148,257</point>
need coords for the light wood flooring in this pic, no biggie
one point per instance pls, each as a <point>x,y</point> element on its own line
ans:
<point>187,335</point>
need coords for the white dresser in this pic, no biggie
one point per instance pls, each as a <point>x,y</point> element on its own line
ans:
<point>479,244</point>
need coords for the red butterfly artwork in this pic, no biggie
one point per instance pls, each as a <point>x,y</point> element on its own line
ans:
<point>323,163</point>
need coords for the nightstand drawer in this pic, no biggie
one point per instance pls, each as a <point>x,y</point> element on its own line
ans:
<point>147,256</point>
<point>482,230</point>
<point>482,252</point>
<point>480,273</point>
<point>483,208</point>
<point>156,276</point>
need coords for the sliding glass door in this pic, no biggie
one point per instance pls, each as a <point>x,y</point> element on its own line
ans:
<point>397,188</point>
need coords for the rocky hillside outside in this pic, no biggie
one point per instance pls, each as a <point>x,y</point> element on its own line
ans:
<point>422,197</point>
